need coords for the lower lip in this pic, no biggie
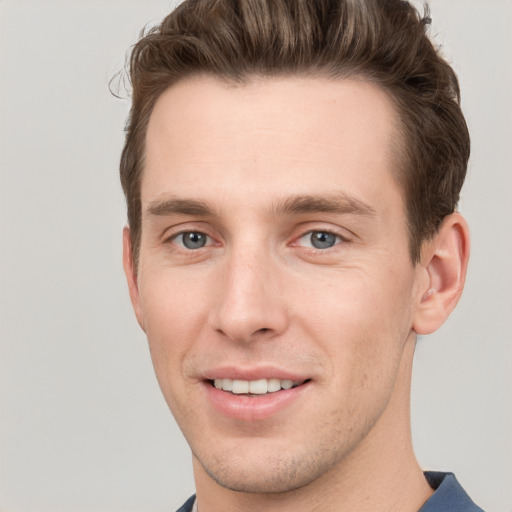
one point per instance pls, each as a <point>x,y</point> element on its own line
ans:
<point>254,407</point>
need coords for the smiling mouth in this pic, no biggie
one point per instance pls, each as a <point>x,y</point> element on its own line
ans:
<point>255,387</point>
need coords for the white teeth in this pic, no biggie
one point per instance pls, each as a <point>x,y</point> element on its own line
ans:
<point>258,387</point>
<point>273,385</point>
<point>240,387</point>
<point>286,384</point>
<point>254,387</point>
<point>227,384</point>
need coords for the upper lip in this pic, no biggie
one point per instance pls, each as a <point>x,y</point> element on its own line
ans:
<point>252,373</point>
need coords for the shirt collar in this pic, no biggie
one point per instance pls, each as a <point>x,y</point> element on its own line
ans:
<point>449,496</point>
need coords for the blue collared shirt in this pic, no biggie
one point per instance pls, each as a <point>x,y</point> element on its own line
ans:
<point>448,496</point>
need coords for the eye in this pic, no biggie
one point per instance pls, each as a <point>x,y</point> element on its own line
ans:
<point>320,239</point>
<point>192,240</point>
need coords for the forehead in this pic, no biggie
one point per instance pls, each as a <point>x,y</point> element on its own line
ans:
<point>281,134</point>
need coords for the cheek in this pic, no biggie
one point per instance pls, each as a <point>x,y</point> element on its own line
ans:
<point>173,316</point>
<point>362,321</point>
<point>364,299</point>
<point>170,300</point>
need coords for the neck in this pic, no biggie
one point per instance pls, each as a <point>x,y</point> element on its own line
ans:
<point>381,474</point>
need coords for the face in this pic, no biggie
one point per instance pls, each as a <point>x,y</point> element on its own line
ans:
<point>275,284</point>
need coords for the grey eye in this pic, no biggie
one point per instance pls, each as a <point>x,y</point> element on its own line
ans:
<point>322,239</point>
<point>193,239</point>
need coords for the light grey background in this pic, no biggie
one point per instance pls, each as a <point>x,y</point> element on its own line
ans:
<point>83,426</point>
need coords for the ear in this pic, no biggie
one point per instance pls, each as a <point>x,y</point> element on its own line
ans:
<point>444,266</point>
<point>131,275</point>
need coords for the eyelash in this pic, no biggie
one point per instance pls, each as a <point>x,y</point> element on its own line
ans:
<point>338,239</point>
<point>182,246</point>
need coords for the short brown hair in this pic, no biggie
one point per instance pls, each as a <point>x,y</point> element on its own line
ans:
<point>382,41</point>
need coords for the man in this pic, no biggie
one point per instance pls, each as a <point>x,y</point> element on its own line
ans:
<point>292,170</point>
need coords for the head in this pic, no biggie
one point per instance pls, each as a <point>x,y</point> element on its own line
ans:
<point>291,170</point>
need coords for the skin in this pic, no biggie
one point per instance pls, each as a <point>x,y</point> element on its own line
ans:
<point>245,167</point>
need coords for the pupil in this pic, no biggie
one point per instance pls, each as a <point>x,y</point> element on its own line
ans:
<point>322,240</point>
<point>194,240</point>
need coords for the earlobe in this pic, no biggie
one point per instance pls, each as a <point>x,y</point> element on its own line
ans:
<point>444,262</point>
<point>131,275</point>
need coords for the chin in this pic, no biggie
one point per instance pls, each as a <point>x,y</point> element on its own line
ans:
<point>274,474</point>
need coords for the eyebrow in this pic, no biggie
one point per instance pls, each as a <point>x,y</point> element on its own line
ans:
<point>174,206</point>
<point>339,203</point>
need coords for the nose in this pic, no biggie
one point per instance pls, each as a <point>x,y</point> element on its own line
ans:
<point>250,304</point>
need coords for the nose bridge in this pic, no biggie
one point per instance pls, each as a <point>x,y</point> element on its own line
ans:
<point>249,304</point>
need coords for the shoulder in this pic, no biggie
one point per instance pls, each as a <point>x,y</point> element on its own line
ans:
<point>449,496</point>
